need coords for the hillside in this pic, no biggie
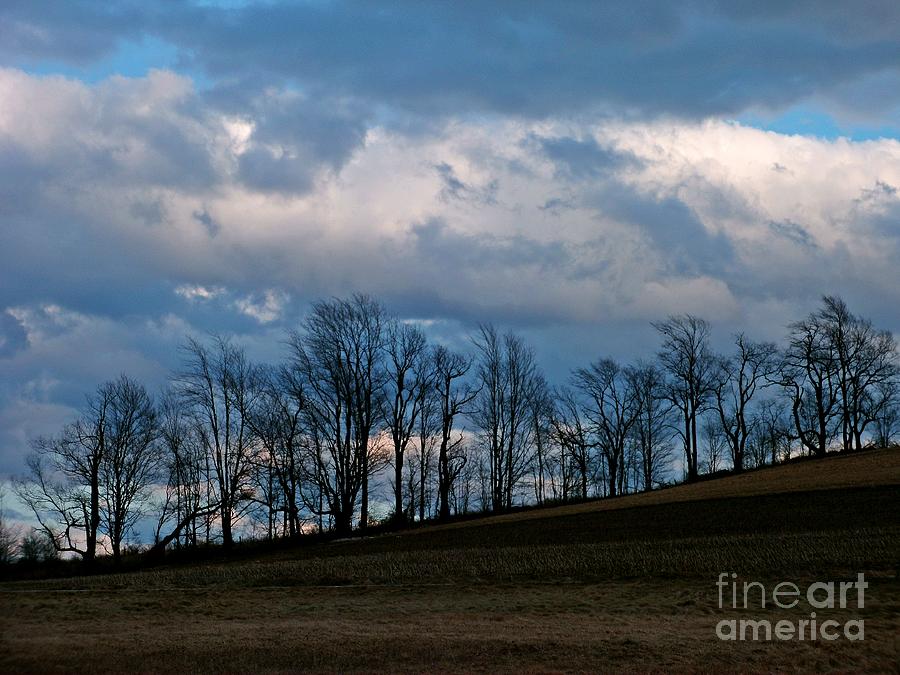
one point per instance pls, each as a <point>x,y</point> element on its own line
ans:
<point>855,470</point>
<point>625,584</point>
<point>813,515</point>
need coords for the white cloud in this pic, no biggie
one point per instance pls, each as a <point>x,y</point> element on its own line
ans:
<point>198,292</point>
<point>265,309</point>
<point>757,212</point>
<point>695,207</point>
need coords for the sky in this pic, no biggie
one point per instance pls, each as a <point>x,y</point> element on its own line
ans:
<point>571,171</point>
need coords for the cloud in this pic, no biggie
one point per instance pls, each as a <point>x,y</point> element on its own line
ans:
<point>793,232</point>
<point>584,158</point>
<point>536,60</point>
<point>62,356</point>
<point>196,292</point>
<point>202,216</point>
<point>455,188</point>
<point>561,217</point>
<point>610,204</point>
<point>265,308</point>
<point>72,32</point>
<point>13,337</point>
<point>131,217</point>
<point>147,131</point>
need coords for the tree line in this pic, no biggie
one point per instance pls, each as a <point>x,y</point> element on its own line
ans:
<point>364,410</point>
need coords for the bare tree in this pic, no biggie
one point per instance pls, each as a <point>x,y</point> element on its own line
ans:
<point>507,376</point>
<point>63,485</point>
<point>866,359</point>
<point>541,414</point>
<point>338,357</point>
<point>188,497</point>
<point>132,459</point>
<point>770,433</point>
<point>838,324</point>
<point>736,381</point>
<point>218,385</point>
<point>653,428</point>
<point>59,502</point>
<point>428,433</point>
<point>572,434</point>
<point>93,478</point>
<point>838,370</point>
<point>686,357</point>
<point>408,381</point>
<point>277,420</point>
<point>464,489</point>
<point>454,396</point>
<point>886,426</point>
<point>10,535</point>
<point>612,409</point>
<point>556,446</point>
<point>875,404</point>
<point>37,547</point>
<point>716,445</point>
<point>808,372</point>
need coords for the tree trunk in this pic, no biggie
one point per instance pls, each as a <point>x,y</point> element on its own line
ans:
<point>445,501</point>
<point>159,548</point>
<point>613,475</point>
<point>692,471</point>
<point>584,487</point>
<point>423,474</point>
<point>91,534</point>
<point>116,541</point>
<point>364,506</point>
<point>443,482</point>
<point>343,523</point>
<point>399,514</point>
<point>227,539</point>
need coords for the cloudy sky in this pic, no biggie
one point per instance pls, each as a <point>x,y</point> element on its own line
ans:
<point>569,170</point>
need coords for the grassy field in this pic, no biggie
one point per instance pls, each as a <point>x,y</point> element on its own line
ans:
<point>621,585</point>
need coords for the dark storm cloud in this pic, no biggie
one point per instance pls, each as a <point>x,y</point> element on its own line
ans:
<point>534,59</point>
<point>881,191</point>
<point>13,337</point>
<point>72,32</point>
<point>543,58</point>
<point>793,232</point>
<point>684,244</point>
<point>584,158</point>
<point>878,210</point>
<point>294,136</point>
<point>202,216</point>
<point>150,211</point>
<point>263,169</point>
<point>455,188</point>
<point>22,178</point>
<point>556,205</point>
<point>437,243</point>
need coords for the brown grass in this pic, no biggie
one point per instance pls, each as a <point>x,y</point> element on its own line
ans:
<point>637,626</point>
<point>836,552</point>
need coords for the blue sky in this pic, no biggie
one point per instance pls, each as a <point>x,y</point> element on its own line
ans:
<point>569,170</point>
<point>130,58</point>
<point>806,120</point>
